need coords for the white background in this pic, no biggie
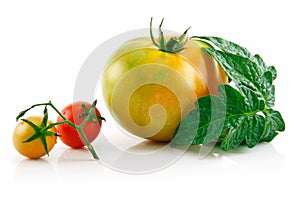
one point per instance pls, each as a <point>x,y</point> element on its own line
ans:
<point>43,45</point>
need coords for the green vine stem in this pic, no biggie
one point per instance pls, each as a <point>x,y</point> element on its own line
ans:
<point>79,128</point>
<point>173,45</point>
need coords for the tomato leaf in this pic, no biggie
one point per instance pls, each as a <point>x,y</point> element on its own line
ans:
<point>274,123</point>
<point>244,68</point>
<point>246,74</point>
<point>228,115</point>
<point>227,46</point>
<point>237,116</point>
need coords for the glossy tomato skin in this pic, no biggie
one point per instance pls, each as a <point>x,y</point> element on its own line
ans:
<point>68,134</point>
<point>149,91</point>
<point>35,148</point>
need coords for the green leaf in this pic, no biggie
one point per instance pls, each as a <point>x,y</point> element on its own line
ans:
<point>274,123</point>
<point>237,116</point>
<point>244,68</point>
<point>246,74</point>
<point>251,99</point>
<point>216,115</point>
<point>236,135</point>
<point>213,110</point>
<point>273,71</point>
<point>187,133</point>
<point>256,124</point>
<point>233,48</point>
<point>260,62</point>
<point>227,46</point>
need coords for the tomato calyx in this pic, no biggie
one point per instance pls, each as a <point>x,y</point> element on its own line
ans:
<point>94,118</point>
<point>174,44</point>
<point>41,131</point>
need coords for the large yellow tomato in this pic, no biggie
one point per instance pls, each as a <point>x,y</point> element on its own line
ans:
<point>35,148</point>
<point>148,91</point>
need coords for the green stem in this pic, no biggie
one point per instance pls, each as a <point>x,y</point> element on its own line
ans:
<point>88,144</point>
<point>83,136</point>
<point>80,131</point>
<point>173,45</point>
<point>59,123</point>
<point>151,35</point>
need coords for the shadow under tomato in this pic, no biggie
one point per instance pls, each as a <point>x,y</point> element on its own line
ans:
<point>147,146</point>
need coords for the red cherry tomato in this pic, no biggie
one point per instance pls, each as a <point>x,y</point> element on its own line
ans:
<point>70,135</point>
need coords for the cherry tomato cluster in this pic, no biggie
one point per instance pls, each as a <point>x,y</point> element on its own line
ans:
<point>77,125</point>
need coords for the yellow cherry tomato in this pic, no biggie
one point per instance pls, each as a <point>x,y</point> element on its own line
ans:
<point>35,148</point>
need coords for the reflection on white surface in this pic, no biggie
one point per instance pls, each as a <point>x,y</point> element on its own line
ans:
<point>65,164</point>
<point>75,155</point>
<point>34,170</point>
<point>78,164</point>
<point>263,156</point>
<point>70,165</point>
<point>149,157</point>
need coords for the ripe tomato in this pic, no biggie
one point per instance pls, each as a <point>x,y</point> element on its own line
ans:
<point>69,135</point>
<point>33,149</point>
<point>148,91</point>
